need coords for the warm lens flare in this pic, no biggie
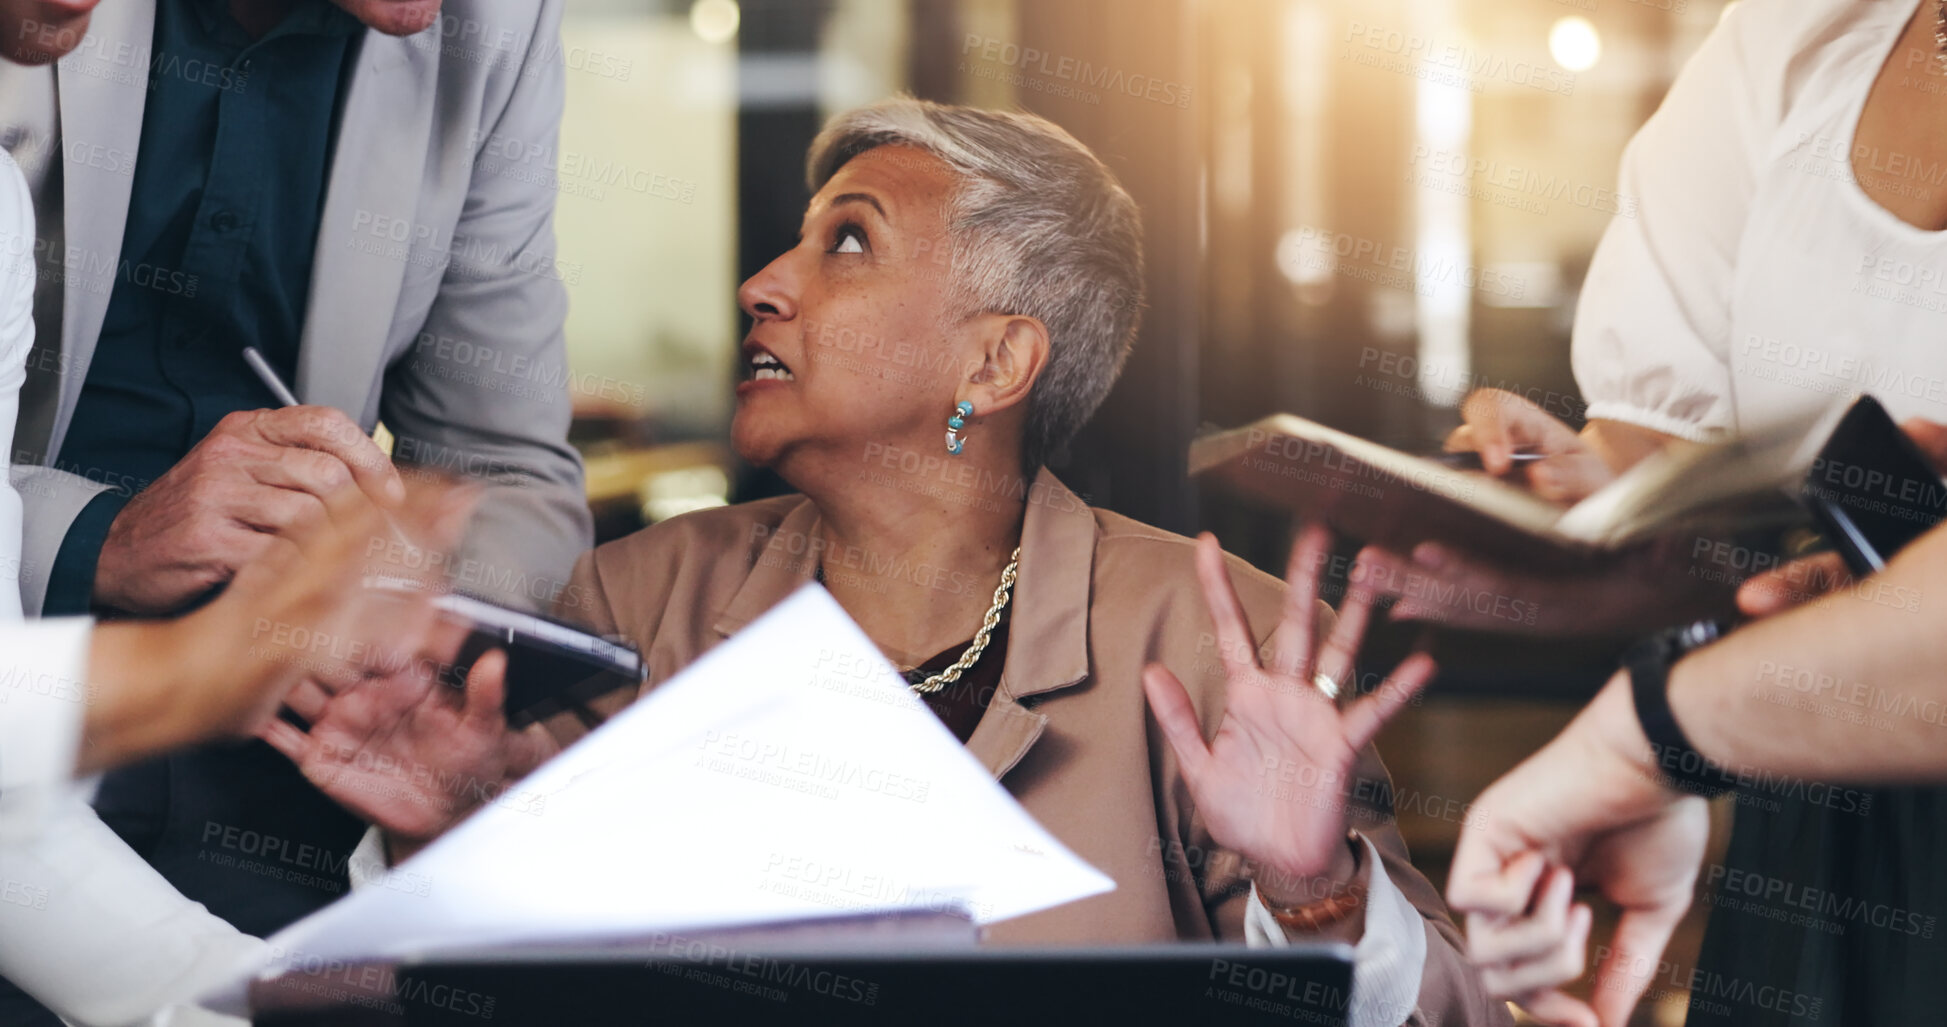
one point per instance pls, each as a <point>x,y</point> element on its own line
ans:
<point>1575,44</point>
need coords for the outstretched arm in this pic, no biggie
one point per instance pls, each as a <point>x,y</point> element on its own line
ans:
<point>1850,686</point>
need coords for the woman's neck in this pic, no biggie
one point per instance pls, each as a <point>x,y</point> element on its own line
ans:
<point>915,558</point>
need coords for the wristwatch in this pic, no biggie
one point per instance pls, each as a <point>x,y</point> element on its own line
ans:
<point>1679,763</point>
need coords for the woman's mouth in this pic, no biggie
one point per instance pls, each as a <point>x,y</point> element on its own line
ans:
<point>766,367</point>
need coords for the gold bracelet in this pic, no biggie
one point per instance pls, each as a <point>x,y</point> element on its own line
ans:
<point>1332,909</point>
<point>1316,916</point>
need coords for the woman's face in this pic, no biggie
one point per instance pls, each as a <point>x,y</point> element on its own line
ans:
<point>852,343</point>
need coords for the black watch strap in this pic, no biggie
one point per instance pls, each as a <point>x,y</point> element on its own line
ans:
<point>1680,764</point>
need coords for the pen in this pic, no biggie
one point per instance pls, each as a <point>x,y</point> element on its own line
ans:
<point>1468,460</point>
<point>269,377</point>
<point>285,397</point>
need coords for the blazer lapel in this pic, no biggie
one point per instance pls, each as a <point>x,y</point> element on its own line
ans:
<point>1005,733</point>
<point>1047,635</point>
<point>356,275</point>
<point>771,579</point>
<point>102,89</point>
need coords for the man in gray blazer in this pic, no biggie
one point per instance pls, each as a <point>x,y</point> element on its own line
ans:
<point>433,303</point>
<point>302,177</point>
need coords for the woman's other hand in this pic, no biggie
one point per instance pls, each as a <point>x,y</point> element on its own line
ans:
<point>1804,580</point>
<point>1647,587</point>
<point>408,752</point>
<point>1271,785</point>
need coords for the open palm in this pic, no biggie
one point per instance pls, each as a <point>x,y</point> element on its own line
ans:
<point>405,751</point>
<point>1271,785</point>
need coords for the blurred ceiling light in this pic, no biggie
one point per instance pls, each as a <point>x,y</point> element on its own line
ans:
<point>715,21</point>
<point>1305,255</point>
<point>1575,44</point>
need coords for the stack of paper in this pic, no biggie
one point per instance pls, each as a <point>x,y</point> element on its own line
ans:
<point>787,775</point>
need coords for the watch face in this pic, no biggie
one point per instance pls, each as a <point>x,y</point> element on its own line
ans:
<point>1698,635</point>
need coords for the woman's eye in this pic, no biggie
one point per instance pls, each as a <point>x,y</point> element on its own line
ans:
<point>850,240</point>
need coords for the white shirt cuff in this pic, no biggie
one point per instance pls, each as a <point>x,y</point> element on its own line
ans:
<point>1389,959</point>
<point>44,697</point>
<point>195,1016</point>
<point>1643,417</point>
<point>367,865</point>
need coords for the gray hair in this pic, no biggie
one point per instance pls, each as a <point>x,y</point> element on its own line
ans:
<point>1039,228</point>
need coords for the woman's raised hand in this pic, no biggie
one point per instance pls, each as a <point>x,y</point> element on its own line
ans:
<point>1271,785</point>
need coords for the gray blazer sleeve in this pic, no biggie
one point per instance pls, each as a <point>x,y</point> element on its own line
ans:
<point>50,500</point>
<point>502,296</point>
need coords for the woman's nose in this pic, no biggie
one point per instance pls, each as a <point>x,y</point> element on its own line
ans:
<point>770,294</point>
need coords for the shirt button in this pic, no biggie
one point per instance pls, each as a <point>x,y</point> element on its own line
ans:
<point>223,221</point>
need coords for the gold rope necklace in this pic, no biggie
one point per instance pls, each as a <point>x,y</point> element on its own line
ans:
<point>1940,32</point>
<point>1002,593</point>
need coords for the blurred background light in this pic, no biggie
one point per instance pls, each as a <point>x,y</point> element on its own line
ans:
<point>1443,231</point>
<point>715,21</point>
<point>1575,44</point>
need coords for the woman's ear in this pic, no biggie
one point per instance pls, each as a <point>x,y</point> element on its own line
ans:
<point>1014,355</point>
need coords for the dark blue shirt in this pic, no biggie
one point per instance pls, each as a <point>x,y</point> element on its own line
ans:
<point>228,189</point>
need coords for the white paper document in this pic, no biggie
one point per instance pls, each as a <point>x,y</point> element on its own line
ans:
<point>787,775</point>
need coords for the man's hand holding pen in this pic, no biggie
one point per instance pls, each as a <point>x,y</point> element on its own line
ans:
<point>259,475</point>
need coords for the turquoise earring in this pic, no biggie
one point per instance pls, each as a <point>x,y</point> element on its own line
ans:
<point>954,443</point>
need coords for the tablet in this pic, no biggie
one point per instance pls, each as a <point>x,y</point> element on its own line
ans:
<point>680,983</point>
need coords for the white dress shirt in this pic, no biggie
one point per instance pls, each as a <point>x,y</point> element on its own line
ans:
<point>16,343</point>
<point>86,927</point>
<point>43,697</point>
<point>1757,283</point>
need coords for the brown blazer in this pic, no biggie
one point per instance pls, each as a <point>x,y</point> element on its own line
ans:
<point>1068,733</point>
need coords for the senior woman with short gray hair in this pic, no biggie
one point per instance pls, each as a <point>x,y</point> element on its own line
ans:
<point>960,302</point>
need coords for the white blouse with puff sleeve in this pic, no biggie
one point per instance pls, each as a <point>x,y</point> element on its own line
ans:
<point>1756,283</point>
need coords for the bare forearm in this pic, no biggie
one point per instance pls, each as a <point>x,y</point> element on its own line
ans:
<point>1853,686</point>
<point>135,705</point>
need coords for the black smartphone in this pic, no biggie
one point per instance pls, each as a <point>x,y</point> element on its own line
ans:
<point>551,665</point>
<point>1872,488</point>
